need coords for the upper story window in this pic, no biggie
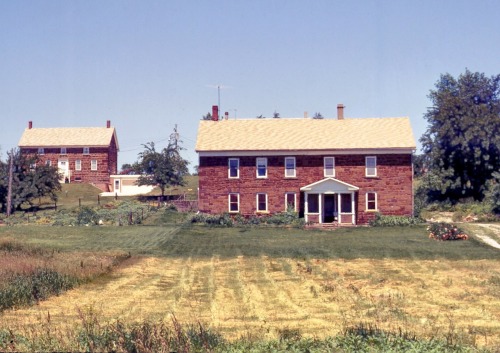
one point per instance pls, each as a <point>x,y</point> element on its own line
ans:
<point>233,170</point>
<point>261,202</point>
<point>329,166</point>
<point>86,150</point>
<point>371,201</point>
<point>290,171</point>
<point>63,150</point>
<point>93,164</point>
<point>371,166</point>
<point>41,151</point>
<point>78,164</point>
<point>234,202</point>
<point>261,167</point>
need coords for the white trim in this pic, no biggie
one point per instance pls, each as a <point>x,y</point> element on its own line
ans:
<point>333,166</point>
<point>294,201</point>
<point>229,202</point>
<point>306,152</point>
<point>264,159</point>
<point>257,202</point>
<point>366,201</point>
<point>366,167</point>
<point>341,186</point>
<point>294,168</point>
<point>237,168</point>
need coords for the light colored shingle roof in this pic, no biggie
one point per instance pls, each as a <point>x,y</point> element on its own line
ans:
<point>67,137</point>
<point>304,134</point>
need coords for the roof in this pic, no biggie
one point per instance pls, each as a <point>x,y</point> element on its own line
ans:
<point>305,134</point>
<point>68,137</point>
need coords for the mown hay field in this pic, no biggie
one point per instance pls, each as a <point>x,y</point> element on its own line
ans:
<point>256,282</point>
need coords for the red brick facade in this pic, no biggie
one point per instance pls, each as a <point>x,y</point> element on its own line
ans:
<point>391,188</point>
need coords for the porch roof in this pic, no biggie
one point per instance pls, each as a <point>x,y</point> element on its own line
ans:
<point>329,186</point>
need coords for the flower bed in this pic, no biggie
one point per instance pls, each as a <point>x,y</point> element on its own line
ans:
<point>446,231</point>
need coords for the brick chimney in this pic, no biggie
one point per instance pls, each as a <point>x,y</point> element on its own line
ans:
<point>305,115</point>
<point>30,124</point>
<point>108,124</point>
<point>340,112</point>
<point>215,112</point>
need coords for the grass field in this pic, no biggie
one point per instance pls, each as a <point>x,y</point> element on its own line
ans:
<point>256,282</point>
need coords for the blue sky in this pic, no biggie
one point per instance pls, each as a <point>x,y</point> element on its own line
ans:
<point>149,65</point>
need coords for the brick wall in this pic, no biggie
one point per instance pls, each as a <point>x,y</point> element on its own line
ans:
<point>393,183</point>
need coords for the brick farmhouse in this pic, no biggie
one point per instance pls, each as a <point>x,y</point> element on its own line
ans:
<point>340,171</point>
<point>86,154</point>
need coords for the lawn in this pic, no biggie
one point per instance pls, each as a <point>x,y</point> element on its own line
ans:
<point>256,282</point>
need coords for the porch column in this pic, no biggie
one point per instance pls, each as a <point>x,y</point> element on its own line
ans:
<point>320,207</point>
<point>306,207</point>
<point>353,210</point>
<point>339,209</point>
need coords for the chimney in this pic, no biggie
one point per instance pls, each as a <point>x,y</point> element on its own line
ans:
<point>30,124</point>
<point>215,112</point>
<point>108,124</point>
<point>305,115</point>
<point>226,115</point>
<point>340,112</point>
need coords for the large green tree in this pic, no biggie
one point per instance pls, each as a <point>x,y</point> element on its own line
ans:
<point>162,168</point>
<point>30,181</point>
<point>462,141</point>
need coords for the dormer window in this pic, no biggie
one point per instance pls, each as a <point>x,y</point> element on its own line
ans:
<point>63,150</point>
<point>86,150</point>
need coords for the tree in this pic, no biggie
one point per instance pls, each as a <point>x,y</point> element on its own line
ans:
<point>317,115</point>
<point>29,180</point>
<point>261,116</point>
<point>165,168</point>
<point>207,116</point>
<point>276,115</point>
<point>462,141</point>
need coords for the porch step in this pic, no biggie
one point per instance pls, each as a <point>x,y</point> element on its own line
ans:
<point>330,226</point>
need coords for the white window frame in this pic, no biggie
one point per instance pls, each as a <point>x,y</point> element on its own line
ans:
<point>41,151</point>
<point>237,202</point>
<point>64,150</point>
<point>257,202</point>
<point>371,171</point>
<point>93,165</point>
<point>237,168</point>
<point>48,163</point>
<point>78,164</point>
<point>86,150</point>
<point>376,202</point>
<point>326,172</point>
<point>261,161</point>
<point>290,172</point>
<point>294,201</point>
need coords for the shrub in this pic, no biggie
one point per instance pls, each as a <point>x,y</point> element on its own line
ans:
<point>446,231</point>
<point>87,216</point>
<point>392,221</point>
<point>223,219</point>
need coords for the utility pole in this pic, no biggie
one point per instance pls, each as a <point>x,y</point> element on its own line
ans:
<point>9,190</point>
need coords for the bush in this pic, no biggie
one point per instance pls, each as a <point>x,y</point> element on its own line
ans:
<point>446,231</point>
<point>213,220</point>
<point>393,221</point>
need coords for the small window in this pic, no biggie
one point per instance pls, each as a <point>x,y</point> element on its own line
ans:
<point>233,168</point>
<point>86,150</point>
<point>312,203</point>
<point>48,162</point>
<point>261,167</point>
<point>78,164</point>
<point>93,164</point>
<point>261,202</point>
<point>290,201</point>
<point>290,167</point>
<point>41,151</point>
<point>329,166</point>
<point>371,201</point>
<point>234,202</point>
<point>63,150</point>
<point>371,166</point>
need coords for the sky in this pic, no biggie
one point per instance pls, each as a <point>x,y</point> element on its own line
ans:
<point>149,66</point>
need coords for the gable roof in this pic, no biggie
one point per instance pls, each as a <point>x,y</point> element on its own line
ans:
<point>329,185</point>
<point>304,134</point>
<point>68,137</point>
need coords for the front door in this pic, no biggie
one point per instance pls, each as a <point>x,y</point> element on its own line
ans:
<point>63,166</point>
<point>330,208</point>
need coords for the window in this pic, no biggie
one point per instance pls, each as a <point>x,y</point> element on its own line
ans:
<point>345,203</point>
<point>290,167</point>
<point>233,168</point>
<point>329,166</point>
<point>312,203</point>
<point>41,151</point>
<point>371,201</point>
<point>261,202</point>
<point>261,167</point>
<point>63,150</point>
<point>371,166</point>
<point>290,201</point>
<point>32,166</point>
<point>86,150</point>
<point>48,162</point>
<point>234,202</point>
<point>93,164</point>
<point>78,164</point>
